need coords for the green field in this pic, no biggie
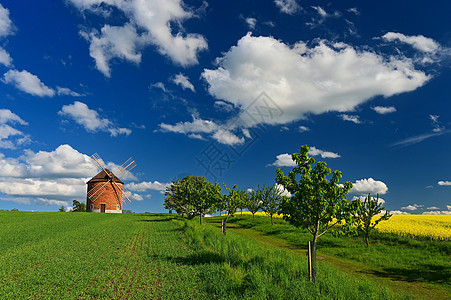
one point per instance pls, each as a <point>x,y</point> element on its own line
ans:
<point>143,256</point>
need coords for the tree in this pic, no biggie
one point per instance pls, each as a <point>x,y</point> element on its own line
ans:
<point>193,195</point>
<point>174,199</point>
<point>244,198</point>
<point>62,209</point>
<point>78,207</point>
<point>230,203</point>
<point>369,208</point>
<point>253,203</point>
<point>317,204</point>
<point>270,197</point>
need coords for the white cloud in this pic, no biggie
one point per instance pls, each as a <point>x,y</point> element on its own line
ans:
<point>61,91</point>
<point>183,81</point>
<point>303,80</point>
<point>6,28</point>
<point>47,177</point>
<point>304,129</point>
<point>384,109</point>
<point>282,190</point>
<point>435,212</point>
<point>223,106</point>
<point>418,42</point>
<point>398,212</point>
<point>28,83</point>
<point>5,58</point>
<point>354,10</point>
<point>147,185</point>
<point>287,6</point>
<point>350,118</point>
<point>11,137</point>
<point>441,182</point>
<point>436,123</point>
<point>412,207</point>
<point>324,154</point>
<point>219,133</point>
<point>365,186</point>
<point>251,22</point>
<point>419,138</point>
<point>90,119</point>
<point>113,42</point>
<point>148,23</point>
<point>284,160</point>
<point>433,208</point>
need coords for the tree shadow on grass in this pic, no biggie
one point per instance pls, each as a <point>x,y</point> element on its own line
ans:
<point>422,273</point>
<point>196,258</point>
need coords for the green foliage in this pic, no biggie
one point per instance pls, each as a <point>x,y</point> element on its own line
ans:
<point>78,206</point>
<point>253,203</point>
<point>270,198</point>
<point>317,203</point>
<point>193,195</point>
<point>62,209</point>
<point>369,208</point>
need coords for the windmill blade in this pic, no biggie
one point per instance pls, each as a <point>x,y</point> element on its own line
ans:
<point>98,161</point>
<point>95,192</point>
<point>125,192</point>
<point>127,166</point>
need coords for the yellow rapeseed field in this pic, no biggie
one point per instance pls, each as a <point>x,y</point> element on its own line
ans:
<point>436,227</point>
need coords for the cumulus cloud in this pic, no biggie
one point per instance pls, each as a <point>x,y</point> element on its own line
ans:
<point>282,190</point>
<point>90,119</point>
<point>366,186</point>
<point>303,80</point>
<point>287,6</point>
<point>283,160</point>
<point>183,81</point>
<point>28,83</point>
<point>194,129</point>
<point>251,22</point>
<point>31,84</point>
<point>383,110</point>
<point>412,207</point>
<point>147,23</point>
<point>324,154</point>
<point>442,182</point>
<point>418,42</point>
<point>304,129</point>
<point>147,185</point>
<point>350,118</point>
<point>11,137</point>
<point>437,212</point>
<point>47,177</point>
<point>398,212</point>
<point>6,28</point>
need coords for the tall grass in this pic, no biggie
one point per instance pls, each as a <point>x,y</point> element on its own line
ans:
<point>240,268</point>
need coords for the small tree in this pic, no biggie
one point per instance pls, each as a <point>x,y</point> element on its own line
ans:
<point>197,194</point>
<point>253,203</point>
<point>317,204</point>
<point>270,197</point>
<point>244,198</point>
<point>230,203</point>
<point>369,208</point>
<point>78,206</point>
<point>62,209</point>
<point>174,199</point>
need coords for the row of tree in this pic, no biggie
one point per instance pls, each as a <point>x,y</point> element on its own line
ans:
<point>196,196</point>
<point>316,203</point>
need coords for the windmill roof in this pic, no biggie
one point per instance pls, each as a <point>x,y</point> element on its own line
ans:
<point>105,176</point>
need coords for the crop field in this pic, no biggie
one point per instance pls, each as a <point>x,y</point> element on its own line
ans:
<point>151,256</point>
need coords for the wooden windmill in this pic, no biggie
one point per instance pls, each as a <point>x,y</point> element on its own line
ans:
<point>105,190</point>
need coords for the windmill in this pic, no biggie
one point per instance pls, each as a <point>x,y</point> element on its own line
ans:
<point>105,190</point>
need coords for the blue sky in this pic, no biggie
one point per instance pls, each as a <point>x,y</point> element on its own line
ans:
<point>227,90</point>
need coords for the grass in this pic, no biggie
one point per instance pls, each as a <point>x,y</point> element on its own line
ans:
<point>424,264</point>
<point>144,256</point>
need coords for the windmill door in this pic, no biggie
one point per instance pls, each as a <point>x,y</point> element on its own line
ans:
<point>102,208</point>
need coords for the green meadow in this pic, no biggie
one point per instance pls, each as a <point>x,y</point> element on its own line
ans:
<point>161,256</point>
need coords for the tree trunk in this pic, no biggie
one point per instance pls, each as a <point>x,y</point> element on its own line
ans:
<point>223,226</point>
<point>201,219</point>
<point>253,216</point>
<point>367,239</point>
<point>272,222</point>
<point>241,212</point>
<point>312,260</point>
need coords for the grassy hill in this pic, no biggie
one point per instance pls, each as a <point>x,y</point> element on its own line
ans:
<point>143,256</point>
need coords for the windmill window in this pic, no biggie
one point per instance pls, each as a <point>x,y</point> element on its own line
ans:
<point>117,206</point>
<point>92,206</point>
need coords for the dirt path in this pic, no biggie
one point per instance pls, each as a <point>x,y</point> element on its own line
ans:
<point>418,290</point>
